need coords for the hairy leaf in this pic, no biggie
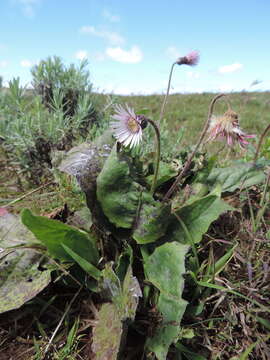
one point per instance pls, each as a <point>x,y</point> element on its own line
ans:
<point>117,192</point>
<point>153,220</point>
<point>165,269</point>
<point>85,162</point>
<point>113,318</point>
<point>107,333</point>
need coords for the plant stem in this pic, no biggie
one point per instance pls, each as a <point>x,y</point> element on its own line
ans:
<point>153,186</point>
<point>260,143</point>
<point>185,168</point>
<point>167,94</point>
<point>27,194</point>
<point>263,203</point>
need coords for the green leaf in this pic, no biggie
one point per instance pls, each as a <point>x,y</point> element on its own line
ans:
<point>240,175</point>
<point>131,292</point>
<point>117,192</point>
<point>84,264</point>
<point>124,260</point>
<point>21,277</point>
<point>166,172</point>
<point>220,264</point>
<point>164,269</point>
<point>53,234</point>
<point>197,218</point>
<point>153,220</point>
<point>125,296</point>
<point>113,318</point>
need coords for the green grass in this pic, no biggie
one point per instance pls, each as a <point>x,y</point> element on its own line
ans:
<point>190,111</point>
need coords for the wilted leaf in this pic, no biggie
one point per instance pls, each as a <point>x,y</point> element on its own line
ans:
<point>107,333</point>
<point>165,269</point>
<point>240,175</point>
<point>21,277</point>
<point>153,220</point>
<point>196,217</point>
<point>53,234</point>
<point>85,162</point>
<point>117,192</point>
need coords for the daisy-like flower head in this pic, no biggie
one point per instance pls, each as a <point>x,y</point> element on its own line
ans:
<point>190,59</point>
<point>128,126</point>
<point>227,126</point>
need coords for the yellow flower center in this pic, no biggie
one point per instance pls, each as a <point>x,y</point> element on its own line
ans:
<point>133,125</point>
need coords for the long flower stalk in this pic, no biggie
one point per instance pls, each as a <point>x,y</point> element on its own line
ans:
<point>167,94</point>
<point>190,59</point>
<point>260,143</point>
<point>187,165</point>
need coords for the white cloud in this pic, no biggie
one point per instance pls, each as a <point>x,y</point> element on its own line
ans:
<point>230,68</point>
<point>26,63</point>
<point>113,37</point>
<point>172,52</point>
<point>3,63</point>
<point>28,7</point>
<point>132,56</point>
<point>109,16</point>
<point>81,55</point>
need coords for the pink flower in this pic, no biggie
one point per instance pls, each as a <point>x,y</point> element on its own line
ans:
<point>227,126</point>
<point>128,126</point>
<point>190,59</point>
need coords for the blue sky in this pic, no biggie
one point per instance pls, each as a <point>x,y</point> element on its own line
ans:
<point>130,45</point>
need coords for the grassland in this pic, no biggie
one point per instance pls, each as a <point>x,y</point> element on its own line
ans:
<point>233,324</point>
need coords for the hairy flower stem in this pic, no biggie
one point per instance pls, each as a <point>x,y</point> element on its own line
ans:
<point>260,143</point>
<point>187,165</point>
<point>167,94</point>
<point>153,186</point>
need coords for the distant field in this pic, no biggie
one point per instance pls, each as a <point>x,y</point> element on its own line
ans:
<point>190,110</point>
